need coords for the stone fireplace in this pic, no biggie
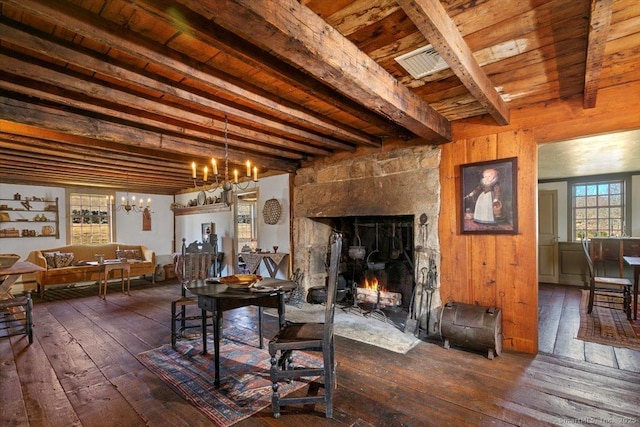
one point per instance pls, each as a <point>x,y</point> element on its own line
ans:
<point>390,201</point>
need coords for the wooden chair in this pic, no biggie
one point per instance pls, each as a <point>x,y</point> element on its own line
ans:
<point>195,263</point>
<point>618,290</point>
<point>317,337</point>
<point>16,317</point>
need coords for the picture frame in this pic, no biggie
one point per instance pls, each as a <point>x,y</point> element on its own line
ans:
<point>207,228</point>
<point>491,207</point>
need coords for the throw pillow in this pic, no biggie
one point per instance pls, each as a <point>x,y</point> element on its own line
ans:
<point>50,258</point>
<point>63,259</point>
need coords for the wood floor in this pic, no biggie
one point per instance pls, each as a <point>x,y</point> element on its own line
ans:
<point>82,370</point>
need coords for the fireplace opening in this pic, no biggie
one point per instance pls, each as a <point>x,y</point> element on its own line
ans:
<point>378,265</point>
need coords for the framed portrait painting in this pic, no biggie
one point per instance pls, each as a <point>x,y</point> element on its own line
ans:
<point>489,199</point>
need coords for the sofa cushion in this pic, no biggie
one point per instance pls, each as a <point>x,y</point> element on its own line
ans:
<point>63,259</point>
<point>130,254</point>
<point>50,258</point>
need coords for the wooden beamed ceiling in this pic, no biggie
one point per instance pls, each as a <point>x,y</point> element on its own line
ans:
<point>105,92</point>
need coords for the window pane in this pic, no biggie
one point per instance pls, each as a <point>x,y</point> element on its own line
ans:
<point>604,213</point>
<point>89,219</point>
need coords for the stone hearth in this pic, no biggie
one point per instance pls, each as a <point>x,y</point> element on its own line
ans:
<point>400,183</point>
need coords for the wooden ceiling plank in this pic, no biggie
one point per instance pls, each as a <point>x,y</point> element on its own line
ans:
<point>118,96</point>
<point>297,35</point>
<point>26,88</point>
<point>130,43</point>
<point>237,48</point>
<point>432,20</point>
<point>599,23</point>
<point>50,118</point>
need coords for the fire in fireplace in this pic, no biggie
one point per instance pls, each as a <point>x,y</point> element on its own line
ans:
<point>372,292</point>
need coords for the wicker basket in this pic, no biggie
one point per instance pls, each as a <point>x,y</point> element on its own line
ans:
<point>7,260</point>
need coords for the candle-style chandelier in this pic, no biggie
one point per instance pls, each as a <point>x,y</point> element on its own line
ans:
<point>128,204</point>
<point>224,182</point>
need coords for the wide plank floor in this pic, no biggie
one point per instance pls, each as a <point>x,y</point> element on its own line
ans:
<point>82,370</point>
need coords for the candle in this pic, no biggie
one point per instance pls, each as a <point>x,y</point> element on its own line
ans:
<point>122,201</point>
<point>235,176</point>
<point>149,202</point>
<point>193,170</point>
<point>248,168</point>
<point>214,165</point>
<point>206,171</point>
<point>255,173</point>
<point>133,200</point>
<point>140,203</point>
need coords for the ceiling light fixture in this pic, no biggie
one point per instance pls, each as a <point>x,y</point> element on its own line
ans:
<point>224,182</point>
<point>129,204</point>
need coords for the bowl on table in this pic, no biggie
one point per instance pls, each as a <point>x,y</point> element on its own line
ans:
<point>240,281</point>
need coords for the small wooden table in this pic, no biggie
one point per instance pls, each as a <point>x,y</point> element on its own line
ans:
<point>218,298</point>
<point>634,261</point>
<point>108,266</point>
<point>12,274</point>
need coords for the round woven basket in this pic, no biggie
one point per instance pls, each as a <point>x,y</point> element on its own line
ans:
<point>271,211</point>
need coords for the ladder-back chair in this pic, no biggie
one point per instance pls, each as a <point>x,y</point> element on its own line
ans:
<point>317,337</point>
<point>198,261</point>
<point>610,292</point>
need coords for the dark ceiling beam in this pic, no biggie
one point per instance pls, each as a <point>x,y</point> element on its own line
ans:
<point>298,36</point>
<point>66,80</point>
<point>599,23</point>
<point>88,25</point>
<point>439,29</point>
<point>64,121</point>
<point>195,25</point>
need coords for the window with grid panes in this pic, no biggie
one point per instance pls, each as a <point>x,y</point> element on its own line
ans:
<point>598,209</point>
<point>89,219</point>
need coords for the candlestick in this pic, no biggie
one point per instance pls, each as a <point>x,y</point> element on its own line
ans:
<point>214,165</point>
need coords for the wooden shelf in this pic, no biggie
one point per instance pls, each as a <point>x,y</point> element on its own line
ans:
<point>202,209</point>
<point>14,207</point>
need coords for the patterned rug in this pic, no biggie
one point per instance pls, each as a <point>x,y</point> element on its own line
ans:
<point>245,387</point>
<point>607,326</point>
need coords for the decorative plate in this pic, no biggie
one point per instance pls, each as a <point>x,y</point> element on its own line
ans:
<point>271,211</point>
<point>202,198</point>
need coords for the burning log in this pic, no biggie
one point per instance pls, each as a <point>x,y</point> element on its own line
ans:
<point>387,299</point>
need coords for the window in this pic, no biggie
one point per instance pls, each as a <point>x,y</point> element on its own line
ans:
<point>598,208</point>
<point>89,219</point>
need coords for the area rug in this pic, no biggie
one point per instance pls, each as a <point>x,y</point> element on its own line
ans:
<point>355,326</point>
<point>607,326</point>
<point>245,387</point>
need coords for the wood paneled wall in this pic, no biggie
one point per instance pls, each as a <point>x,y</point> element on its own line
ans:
<point>501,270</point>
<point>493,270</point>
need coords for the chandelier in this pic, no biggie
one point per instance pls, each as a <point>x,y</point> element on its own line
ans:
<point>224,182</point>
<point>128,204</point>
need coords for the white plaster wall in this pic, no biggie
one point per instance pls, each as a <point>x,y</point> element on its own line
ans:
<point>190,226</point>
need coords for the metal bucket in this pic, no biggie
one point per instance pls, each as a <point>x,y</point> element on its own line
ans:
<point>473,327</point>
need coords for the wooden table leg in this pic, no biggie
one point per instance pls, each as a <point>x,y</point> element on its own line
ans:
<point>636,277</point>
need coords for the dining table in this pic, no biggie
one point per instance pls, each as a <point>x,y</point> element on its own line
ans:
<point>634,261</point>
<point>216,297</point>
